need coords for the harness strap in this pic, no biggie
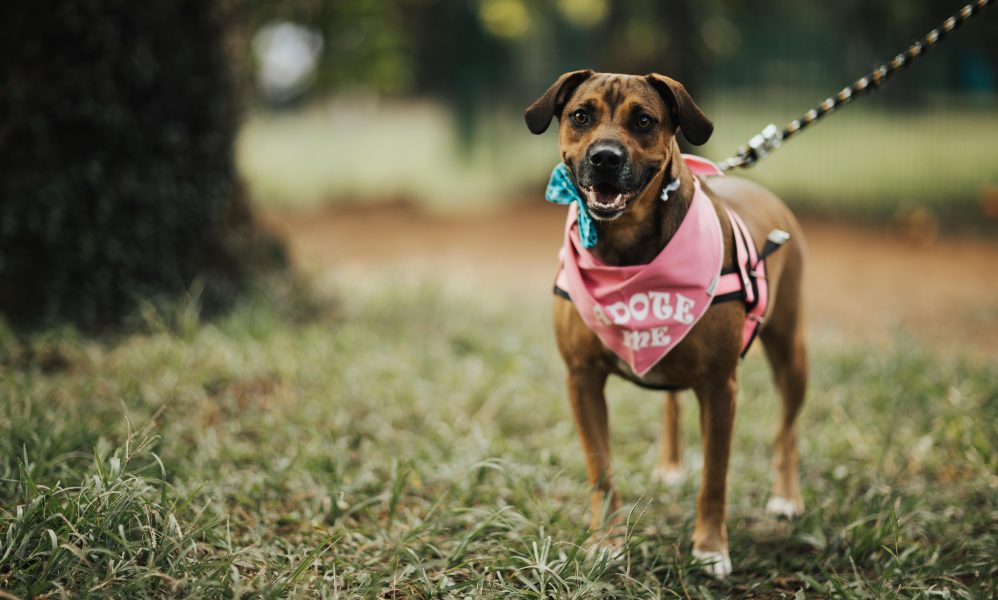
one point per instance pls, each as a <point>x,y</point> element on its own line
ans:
<point>746,281</point>
<point>734,283</point>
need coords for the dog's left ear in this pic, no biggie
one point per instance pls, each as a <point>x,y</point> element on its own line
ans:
<point>695,125</point>
<point>538,115</point>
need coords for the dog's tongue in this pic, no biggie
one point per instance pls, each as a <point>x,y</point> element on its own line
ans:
<point>605,197</point>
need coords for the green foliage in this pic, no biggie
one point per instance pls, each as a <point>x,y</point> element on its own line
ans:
<point>367,43</point>
<point>415,442</point>
<point>118,183</point>
<point>475,52</point>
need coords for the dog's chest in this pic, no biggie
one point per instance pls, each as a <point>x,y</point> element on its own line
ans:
<point>675,371</point>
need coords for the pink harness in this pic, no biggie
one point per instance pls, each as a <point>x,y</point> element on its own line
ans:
<point>641,312</point>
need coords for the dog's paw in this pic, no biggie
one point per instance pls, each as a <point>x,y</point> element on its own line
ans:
<point>782,507</point>
<point>716,564</point>
<point>670,476</point>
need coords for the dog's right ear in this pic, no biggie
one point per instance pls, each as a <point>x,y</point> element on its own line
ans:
<point>538,115</point>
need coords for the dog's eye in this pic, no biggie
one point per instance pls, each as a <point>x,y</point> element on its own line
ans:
<point>580,117</point>
<point>643,122</point>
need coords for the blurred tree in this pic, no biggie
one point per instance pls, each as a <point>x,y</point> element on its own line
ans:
<point>117,179</point>
<point>875,31</point>
<point>367,44</point>
<point>649,36</point>
<point>820,46</point>
<point>480,55</point>
<point>467,67</point>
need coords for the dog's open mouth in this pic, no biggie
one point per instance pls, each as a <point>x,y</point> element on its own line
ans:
<point>606,202</point>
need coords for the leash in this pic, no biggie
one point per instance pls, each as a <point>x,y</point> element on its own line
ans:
<point>771,137</point>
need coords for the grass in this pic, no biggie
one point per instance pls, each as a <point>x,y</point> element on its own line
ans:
<point>870,161</point>
<point>352,152</point>
<point>412,440</point>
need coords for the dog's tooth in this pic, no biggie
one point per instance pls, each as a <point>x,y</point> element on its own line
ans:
<point>617,199</point>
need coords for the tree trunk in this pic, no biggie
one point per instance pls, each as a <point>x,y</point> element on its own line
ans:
<point>117,176</point>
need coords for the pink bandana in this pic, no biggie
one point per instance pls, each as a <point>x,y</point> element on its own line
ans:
<point>641,312</point>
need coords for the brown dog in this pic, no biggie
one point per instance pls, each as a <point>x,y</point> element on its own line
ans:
<point>618,135</point>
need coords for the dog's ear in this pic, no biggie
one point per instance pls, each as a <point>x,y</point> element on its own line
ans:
<point>695,125</point>
<point>538,115</point>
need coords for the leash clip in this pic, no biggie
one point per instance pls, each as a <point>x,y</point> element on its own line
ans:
<point>778,237</point>
<point>765,142</point>
<point>774,241</point>
<point>758,147</point>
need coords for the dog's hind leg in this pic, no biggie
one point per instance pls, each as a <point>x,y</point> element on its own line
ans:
<point>784,344</point>
<point>669,469</point>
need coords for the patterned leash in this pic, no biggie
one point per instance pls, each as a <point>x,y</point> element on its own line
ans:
<point>771,137</point>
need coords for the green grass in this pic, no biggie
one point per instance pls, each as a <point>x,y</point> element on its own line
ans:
<point>351,152</point>
<point>412,440</point>
<point>869,161</point>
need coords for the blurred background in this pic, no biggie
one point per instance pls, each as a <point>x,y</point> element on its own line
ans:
<point>422,98</point>
<point>275,282</point>
<point>136,140</point>
<point>413,109</point>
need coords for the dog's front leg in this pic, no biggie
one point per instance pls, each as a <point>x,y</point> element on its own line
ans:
<point>717,418</point>
<point>585,393</point>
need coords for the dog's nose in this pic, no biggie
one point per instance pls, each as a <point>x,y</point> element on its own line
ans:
<point>606,158</point>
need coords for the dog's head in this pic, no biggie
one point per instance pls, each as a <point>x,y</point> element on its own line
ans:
<point>616,132</point>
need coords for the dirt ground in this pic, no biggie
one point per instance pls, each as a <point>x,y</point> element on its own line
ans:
<point>863,284</point>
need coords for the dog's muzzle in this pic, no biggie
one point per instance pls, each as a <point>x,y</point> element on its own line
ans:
<point>605,172</point>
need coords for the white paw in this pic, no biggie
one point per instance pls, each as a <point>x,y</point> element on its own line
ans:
<point>717,564</point>
<point>670,476</point>
<point>782,507</point>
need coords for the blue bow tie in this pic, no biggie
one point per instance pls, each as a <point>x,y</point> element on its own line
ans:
<point>561,190</point>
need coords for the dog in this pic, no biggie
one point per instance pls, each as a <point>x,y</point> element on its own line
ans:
<point>618,140</point>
